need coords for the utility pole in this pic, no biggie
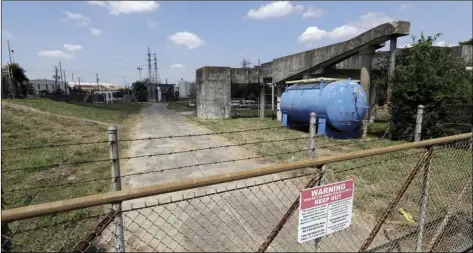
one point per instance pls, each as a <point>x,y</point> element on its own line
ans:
<point>149,65</point>
<point>65,82</point>
<point>97,79</point>
<point>127,88</point>
<point>60,70</point>
<point>156,74</point>
<point>55,77</point>
<point>139,73</point>
<point>9,51</point>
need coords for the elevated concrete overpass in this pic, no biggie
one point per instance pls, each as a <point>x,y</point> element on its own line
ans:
<point>214,83</point>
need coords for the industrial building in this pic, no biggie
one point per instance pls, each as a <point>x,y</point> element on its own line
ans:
<point>48,85</point>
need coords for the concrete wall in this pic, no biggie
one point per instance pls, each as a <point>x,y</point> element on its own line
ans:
<point>244,75</point>
<point>213,92</point>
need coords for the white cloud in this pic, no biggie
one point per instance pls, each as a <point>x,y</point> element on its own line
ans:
<point>312,12</point>
<point>54,54</point>
<point>352,29</point>
<point>177,66</point>
<point>95,31</point>
<point>443,43</point>
<point>404,6</point>
<point>152,24</point>
<point>190,40</point>
<point>80,19</point>
<point>72,48</point>
<point>127,7</point>
<point>277,9</point>
<point>406,46</point>
<point>7,34</point>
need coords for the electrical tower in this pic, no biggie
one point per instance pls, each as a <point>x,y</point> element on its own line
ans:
<point>150,74</point>
<point>156,73</point>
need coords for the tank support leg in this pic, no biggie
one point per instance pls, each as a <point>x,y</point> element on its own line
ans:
<point>321,126</point>
<point>285,122</point>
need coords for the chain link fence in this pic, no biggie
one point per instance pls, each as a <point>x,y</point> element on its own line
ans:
<point>397,194</point>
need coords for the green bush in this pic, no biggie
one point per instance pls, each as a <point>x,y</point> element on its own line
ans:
<point>429,76</point>
<point>140,91</point>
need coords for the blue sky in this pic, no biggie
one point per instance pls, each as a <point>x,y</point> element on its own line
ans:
<point>111,38</point>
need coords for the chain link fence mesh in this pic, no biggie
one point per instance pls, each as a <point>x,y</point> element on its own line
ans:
<point>239,216</point>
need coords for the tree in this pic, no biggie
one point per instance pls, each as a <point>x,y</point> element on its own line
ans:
<point>428,76</point>
<point>466,42</point>
<point>18,84</point>
<point>140,91</point>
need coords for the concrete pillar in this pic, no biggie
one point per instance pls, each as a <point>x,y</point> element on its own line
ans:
<point>278,101</point>
<point>262,101</point>
<point>366,57</point>
<point>159,93</point>
<point>391,68</point>
<point>272,98</point>
<point>213,92</point>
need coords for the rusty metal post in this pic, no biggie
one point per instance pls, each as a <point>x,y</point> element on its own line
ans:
<point>423,208</point>
<point>116,186</point>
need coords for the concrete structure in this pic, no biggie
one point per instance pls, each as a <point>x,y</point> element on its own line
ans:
<point>354,58</point>
<point>213,83</point>
<point>213,92</point>
<point>49,85</point>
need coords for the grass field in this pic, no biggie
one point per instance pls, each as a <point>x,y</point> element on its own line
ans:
<point>25,182</point>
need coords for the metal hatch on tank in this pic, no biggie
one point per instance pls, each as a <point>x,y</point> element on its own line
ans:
<point>340,105</point>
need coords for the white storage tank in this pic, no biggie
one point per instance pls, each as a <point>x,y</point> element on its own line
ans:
<point>182,89</point>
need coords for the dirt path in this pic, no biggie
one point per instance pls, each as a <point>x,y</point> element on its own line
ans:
<point>233,221</point>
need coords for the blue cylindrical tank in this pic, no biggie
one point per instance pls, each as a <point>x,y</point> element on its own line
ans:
<point>342,103</point>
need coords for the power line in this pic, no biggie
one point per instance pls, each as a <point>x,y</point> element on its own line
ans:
<point>60,71</point>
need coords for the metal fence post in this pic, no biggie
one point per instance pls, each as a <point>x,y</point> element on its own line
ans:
<point>420,111</point>
<point>312,153</point>
<point>312,126</point>
<point>364,129</point>
<point>116,186</point>
<point>425,199</point>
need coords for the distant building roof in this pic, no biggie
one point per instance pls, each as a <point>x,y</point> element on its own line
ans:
<point>102,86</point>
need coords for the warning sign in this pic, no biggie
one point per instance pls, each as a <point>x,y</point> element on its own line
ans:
<point>325,209</point>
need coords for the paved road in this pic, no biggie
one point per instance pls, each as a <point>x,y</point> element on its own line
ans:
<point>234,221</point>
